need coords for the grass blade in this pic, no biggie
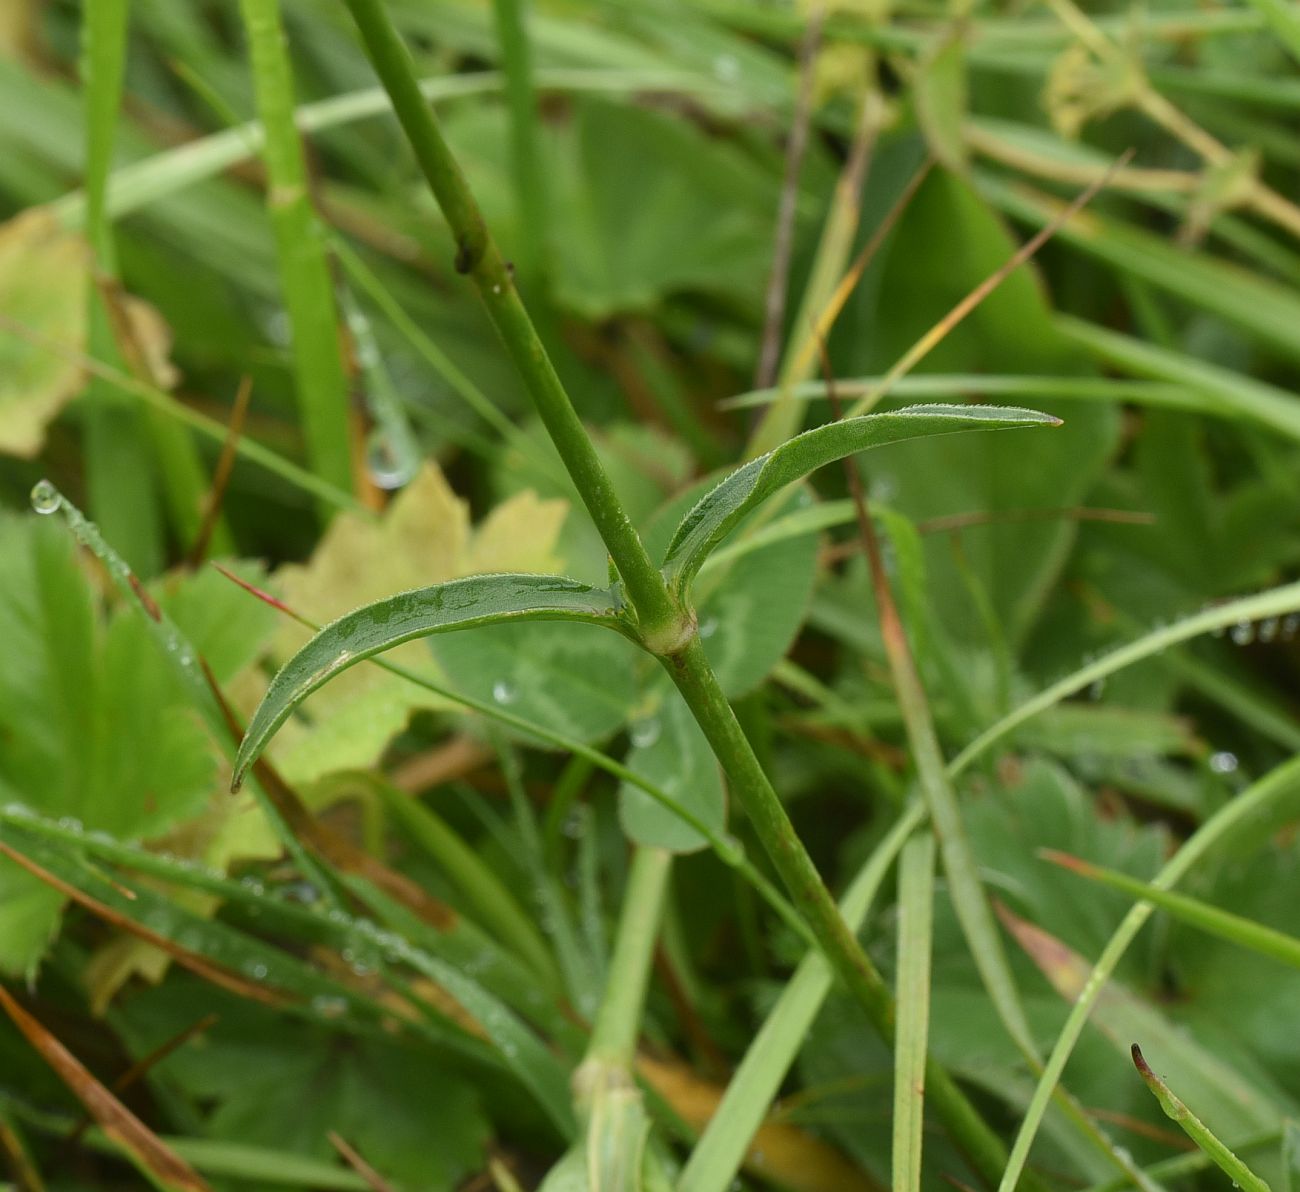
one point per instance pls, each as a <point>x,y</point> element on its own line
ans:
<point>1226,926</point>
<point>915,925</point>
<point>304,274</point>
<point>1273,603</point>
<point>1255,802</point>
<point>1197,1130</point>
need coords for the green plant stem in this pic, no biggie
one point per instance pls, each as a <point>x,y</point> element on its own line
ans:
<point>618,1021</point>
<point>665,628</point>
<point>304,273</point>
<point>478,256</point>
<point>525,150</point>
<point>699,686</point>
<point>119,479</point>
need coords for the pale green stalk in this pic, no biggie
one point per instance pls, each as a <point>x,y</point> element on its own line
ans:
<point>529,179</point>
<point>322,386</point>
<point>119,471</point>
<point>915,928</point>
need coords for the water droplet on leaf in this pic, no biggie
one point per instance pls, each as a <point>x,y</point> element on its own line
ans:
<point>46,498</point>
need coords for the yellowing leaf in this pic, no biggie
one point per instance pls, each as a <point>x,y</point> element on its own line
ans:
<point>44,275</point>
<point>43,278</point>
<point>423,538</point>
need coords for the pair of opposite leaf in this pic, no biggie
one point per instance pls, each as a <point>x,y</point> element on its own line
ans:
<point>495,599</point>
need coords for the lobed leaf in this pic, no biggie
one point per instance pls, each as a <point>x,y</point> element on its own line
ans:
<point>442,608</point>
<point>721,510</point>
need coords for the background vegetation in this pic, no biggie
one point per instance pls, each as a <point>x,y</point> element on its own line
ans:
<point>234,327</point>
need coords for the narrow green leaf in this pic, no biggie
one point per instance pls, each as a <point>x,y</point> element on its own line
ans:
<point>722,509</point>
<point>1197,1130</point>
<point>1255,803</point>
<point>1234,928</point>
<point>442,608</point>
<point>1273,603</point>
<point>915,927</point>
<point>1283,19</point>
<point>304,271</point>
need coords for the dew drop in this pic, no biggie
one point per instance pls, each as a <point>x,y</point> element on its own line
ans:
<point>46,498</point>
<point>1268,629</point>
<point>646,732</point>
<point>708,627</point>
<point>390,463</point>
<point>1223,762</point>
<point>503,692</point>
<point>1096,689</point>
<point>328,1006</point>
<point>257,971</point>
<point>1243,633</point>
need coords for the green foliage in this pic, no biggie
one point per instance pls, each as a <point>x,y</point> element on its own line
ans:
<point>486,912</point>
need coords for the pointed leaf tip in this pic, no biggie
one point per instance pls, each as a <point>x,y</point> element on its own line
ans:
<point>442,608</point>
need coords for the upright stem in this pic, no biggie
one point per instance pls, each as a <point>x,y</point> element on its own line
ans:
<point>666,629</point>
<point>477,255</point>
<point>694,677</point>
<point>618,1021</point>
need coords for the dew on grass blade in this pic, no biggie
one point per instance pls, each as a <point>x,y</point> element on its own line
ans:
<point>46,498</point>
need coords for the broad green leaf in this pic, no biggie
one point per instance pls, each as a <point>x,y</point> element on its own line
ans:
<point>941,101</point>
<point>415,1118</point>
<point>685,212</point>
<point>669,749</point>
<point>560,677</point>
<point>718,513</point>
<point>442,608</point>
<point>91,728</point>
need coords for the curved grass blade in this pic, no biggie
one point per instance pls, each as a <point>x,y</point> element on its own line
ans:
<point>1255,803</point>
<point>722,509</point>
<point>442,608</point>
<point>1273,603</point>
<point>1236,929</point>
<point>1197,1130</point>
<point>163,1166</point>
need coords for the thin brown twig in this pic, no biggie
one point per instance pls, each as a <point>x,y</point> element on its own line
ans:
<point>221,473</point>
<point>142,1066</point>
<point>926,343</point>
<point>358,1164</point>
<point>955,522</point>
<point>779,279</point>
<point>853,275</point>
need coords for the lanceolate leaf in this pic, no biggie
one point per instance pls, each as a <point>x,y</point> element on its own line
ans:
<point>721,510</point>
<point>374,628</point>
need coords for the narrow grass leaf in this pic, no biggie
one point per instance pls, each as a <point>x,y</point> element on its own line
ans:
<point>720,1151</point>
<point>1195,1129</point>
<point>1257,802</point>
<point>915,928</point>
<point>1234,928</point>
<point>722,509</point>
<point>304,273</point>
<point>1273,603</point>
